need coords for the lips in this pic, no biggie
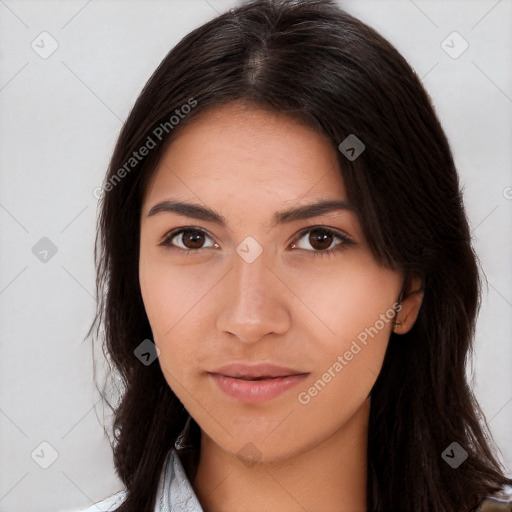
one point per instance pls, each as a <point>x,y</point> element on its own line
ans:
<point>256,371</point>
<point>256,383</point>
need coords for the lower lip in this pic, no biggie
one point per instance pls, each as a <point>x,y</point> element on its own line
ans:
<point>255,391</point>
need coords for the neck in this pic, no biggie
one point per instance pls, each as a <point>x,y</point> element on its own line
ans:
<point>330,476</point>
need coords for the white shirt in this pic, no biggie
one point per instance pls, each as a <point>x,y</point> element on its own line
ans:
<point>174,494</point>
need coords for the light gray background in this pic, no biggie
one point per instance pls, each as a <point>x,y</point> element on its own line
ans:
<point>59,119</point>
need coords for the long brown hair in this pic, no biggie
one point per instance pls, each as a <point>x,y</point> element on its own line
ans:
<point>314,62</point>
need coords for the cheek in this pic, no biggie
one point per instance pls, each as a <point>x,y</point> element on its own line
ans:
<point>350,360</point>
<point>171,294</point>
<point>176,300</point>
<point>346,302</point>
<point>165,306</point>
<point>356,309</point>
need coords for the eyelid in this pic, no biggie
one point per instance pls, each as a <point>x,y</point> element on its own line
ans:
<point>335,231</point>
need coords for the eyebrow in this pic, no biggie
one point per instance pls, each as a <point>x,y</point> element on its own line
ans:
<point>196,211</point>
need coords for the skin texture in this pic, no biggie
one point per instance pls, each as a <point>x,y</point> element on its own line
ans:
<point>289,307</point>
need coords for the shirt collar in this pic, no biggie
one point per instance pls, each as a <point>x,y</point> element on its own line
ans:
<point>175,492</point>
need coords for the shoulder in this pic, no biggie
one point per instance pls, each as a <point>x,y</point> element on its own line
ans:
<point>107,505</point>
<point>500,501</point>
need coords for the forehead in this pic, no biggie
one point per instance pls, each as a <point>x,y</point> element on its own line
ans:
<point>237,149</point>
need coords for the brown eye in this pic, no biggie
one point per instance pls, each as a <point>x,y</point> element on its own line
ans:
<point>320,239</point>
<point>323,241</point>
<point>187,240</point>
<point>192,239</point>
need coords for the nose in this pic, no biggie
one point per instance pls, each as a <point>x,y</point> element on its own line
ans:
<point>254,301</point>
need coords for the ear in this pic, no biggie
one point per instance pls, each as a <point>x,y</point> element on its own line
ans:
<point>410,304</point>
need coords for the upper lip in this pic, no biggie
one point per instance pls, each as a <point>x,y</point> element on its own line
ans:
<point>255,371</point>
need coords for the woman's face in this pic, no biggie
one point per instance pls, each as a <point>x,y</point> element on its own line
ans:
<point>272,317</point>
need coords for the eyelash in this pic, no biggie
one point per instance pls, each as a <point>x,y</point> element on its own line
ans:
<point>345,240</point>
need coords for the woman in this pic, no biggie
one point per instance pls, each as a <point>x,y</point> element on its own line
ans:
<point>282,225</point>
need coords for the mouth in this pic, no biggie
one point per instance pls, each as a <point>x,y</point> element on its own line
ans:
<point>259,371</point>
<point>256,383</point>
<point>266,377</point>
